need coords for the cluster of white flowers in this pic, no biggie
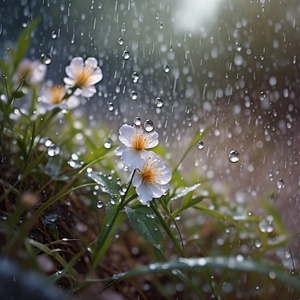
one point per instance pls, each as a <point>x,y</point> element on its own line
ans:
<point>152,176</point>
<point>81,78</point>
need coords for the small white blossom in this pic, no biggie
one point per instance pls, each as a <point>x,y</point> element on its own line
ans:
<point>135,141</point>
<point>83,75</point>
<point>31,71</point>
<point>151,179</point>
<point>54,96</point>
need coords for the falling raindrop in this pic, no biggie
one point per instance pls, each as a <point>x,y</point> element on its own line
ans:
<point>200,145</point>
<point>46,58</point>
<point>120,41</point>
<point>280,183</point>
<point>110,106</point>
<point>234,156</point>
<point>53,35</point>
<point>238,47</point>
<point>133,95</point>
<point>126,54</point>
<point>166,69</point>
<point>137,121</point>
<point>159,102</point>
<point>108,143</point>
<point>149,125</point>
<point>135,77</point>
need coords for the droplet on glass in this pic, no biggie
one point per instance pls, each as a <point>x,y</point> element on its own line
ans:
<point>137,121</point>
<point>107,143</point>
<point>126,54</point>
<point>159,102</point>
<point>133,95</point>
<point>166,69</point>
<point>280,183</point>
<point>135,77</point>
<point>149,125</point>
<point>46,58</point>
<point>200,145</point>
<point>233,156</point>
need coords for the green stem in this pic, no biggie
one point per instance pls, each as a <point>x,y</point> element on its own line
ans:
<point>167,229</point>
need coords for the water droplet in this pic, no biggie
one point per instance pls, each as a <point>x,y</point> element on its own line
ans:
<point>149,125</point>
<point>126,54</point>
<point>135,77</point>
<point>137,121</point>
<point>108,143</point>
<point>238,47</point>
<point>200,145</point>
<point>280,183</point>
<point>99,204</point>
<point>120,41</point>
<point>234,156</point>
<point>110,106</point>
<point>150,216</point>
<point>166,69</point>
<point>266,225</point>
<point>161,25</point>
<point>159,102</point>
<point>48,143</point>
<point>258,243</point>
<point>53,150</point>
<point>53,35</point>
<point>112,201</point>
<point>272,275</point>
<point>46,58</point>
<point>133,95</point>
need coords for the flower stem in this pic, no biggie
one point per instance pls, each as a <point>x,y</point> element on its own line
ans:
<point>167,229</point>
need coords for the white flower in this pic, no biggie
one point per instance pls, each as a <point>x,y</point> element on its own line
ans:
<point>135,141</point>
<point>31,71</point>
<point>151,179</point>
<point>83,75</point>
<point>53,96</point>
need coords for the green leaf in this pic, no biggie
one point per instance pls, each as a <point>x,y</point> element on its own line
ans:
<point>145,223</point>
<point>109,185</point>
<point>210,263</point>
<point>187,203</point>
<point>23,43</point>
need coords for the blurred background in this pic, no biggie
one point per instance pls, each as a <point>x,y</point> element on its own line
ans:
<point>229,66</point>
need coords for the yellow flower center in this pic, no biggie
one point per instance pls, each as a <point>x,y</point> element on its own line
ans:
<point>148,174</point>
<point>57,94</point>
<point>139,141</point>
<point>83,77</point>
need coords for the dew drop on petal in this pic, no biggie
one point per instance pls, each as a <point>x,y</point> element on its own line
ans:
<point>126,54</point>
<point>149,125</point>
<point>200,145</point>
<point>234,156</point>
<point>46,58</point>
